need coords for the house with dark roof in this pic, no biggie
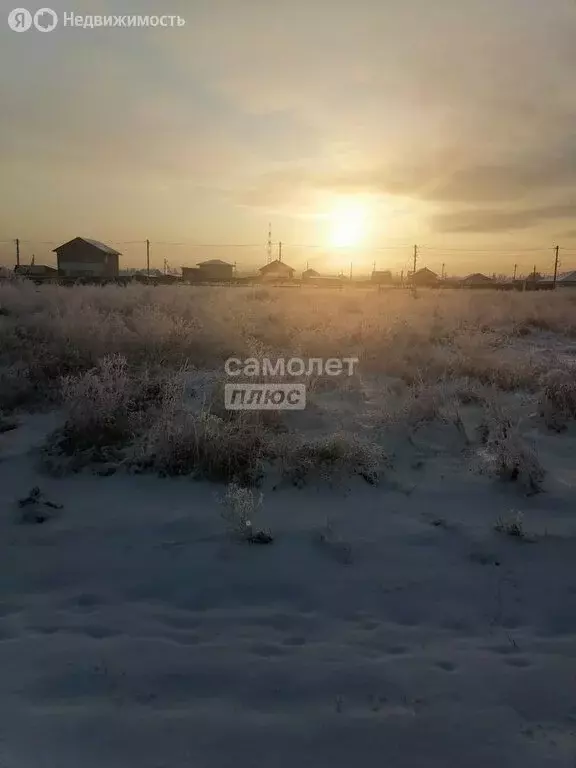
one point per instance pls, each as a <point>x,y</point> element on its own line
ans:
<point>568,281</point>
<point>84,257</point>
<point>425,278</point>
<point>381,277</point>
<point>276,270</point>
<point>216,269</point>
<point>313,278</point>
<point>38,272</point>
<point>477,280</point>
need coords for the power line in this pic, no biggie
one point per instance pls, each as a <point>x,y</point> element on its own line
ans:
<point>55,242</point>
<point>39,242</point>
<point>315,246</point>
<point>210,245</point>
<point>485,250</point>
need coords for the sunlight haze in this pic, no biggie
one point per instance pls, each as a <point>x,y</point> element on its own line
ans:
<point>449,124</point>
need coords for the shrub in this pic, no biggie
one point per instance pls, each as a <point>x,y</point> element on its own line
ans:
<point>511,526</point>
<point>99,405</point>
<point>17,390</point>
<point>507,455</point>
<point>558,399</point>
<point>105,409</point>
<point>420,403</point>
<point>240,508</point>
<point>181,442</point>
<point>333,457</point>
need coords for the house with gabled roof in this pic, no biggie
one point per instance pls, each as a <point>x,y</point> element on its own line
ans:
<point>276,270</point>
<point>477,280</point>
<point>216,269</point>
<point>85,257</point>
<point>424,277</point>
<point>568,280</point>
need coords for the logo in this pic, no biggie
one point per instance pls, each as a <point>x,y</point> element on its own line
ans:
<point>19,20</point>
<point>264,397</point>
<point>296,366</point>
<point>45,20</point>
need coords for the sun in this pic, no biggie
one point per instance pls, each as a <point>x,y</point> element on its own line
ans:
<point>347,224</point>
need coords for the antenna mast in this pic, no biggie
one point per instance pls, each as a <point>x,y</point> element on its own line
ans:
<point>269,249</point>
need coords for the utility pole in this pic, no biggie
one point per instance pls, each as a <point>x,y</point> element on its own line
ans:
<point>148,258</point>
<point>515,269</point>
<point>415,258</point>
<point>279,251</point>
<point>269,248</point>
<point>557,249</point>
<point>443,272</point>
<point>17,252</point>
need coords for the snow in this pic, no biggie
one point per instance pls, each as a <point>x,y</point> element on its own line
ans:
<point>134,632</point>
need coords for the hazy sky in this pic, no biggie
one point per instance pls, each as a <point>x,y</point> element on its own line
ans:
<point>452,123</point>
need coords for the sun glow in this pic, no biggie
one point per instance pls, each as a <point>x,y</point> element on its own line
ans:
<point>347,224</point>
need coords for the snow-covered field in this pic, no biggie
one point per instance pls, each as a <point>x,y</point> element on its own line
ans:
<point>426,619</point>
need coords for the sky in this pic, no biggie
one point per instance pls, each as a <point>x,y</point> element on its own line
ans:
<point>355,128</point>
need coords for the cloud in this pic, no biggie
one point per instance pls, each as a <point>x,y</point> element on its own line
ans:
<point>453,104</point>
<point>482,221</point>
<point>449,177</point>
<point>463,114</point>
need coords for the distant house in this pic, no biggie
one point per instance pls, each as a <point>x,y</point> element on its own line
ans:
<point>425,278</point>
<point>310,274</point>
<point>190,275</point>
<point>40,271</point>
<point>477,280</point>
<point>382,277</point>
<point>535,281</point>
<point>208,271</point>
<point>216,269</point>
<point>325,281</point>
<point>83,257</point>
<point>276,270</point>
<point>154,276</point>
<point>568,281</point>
